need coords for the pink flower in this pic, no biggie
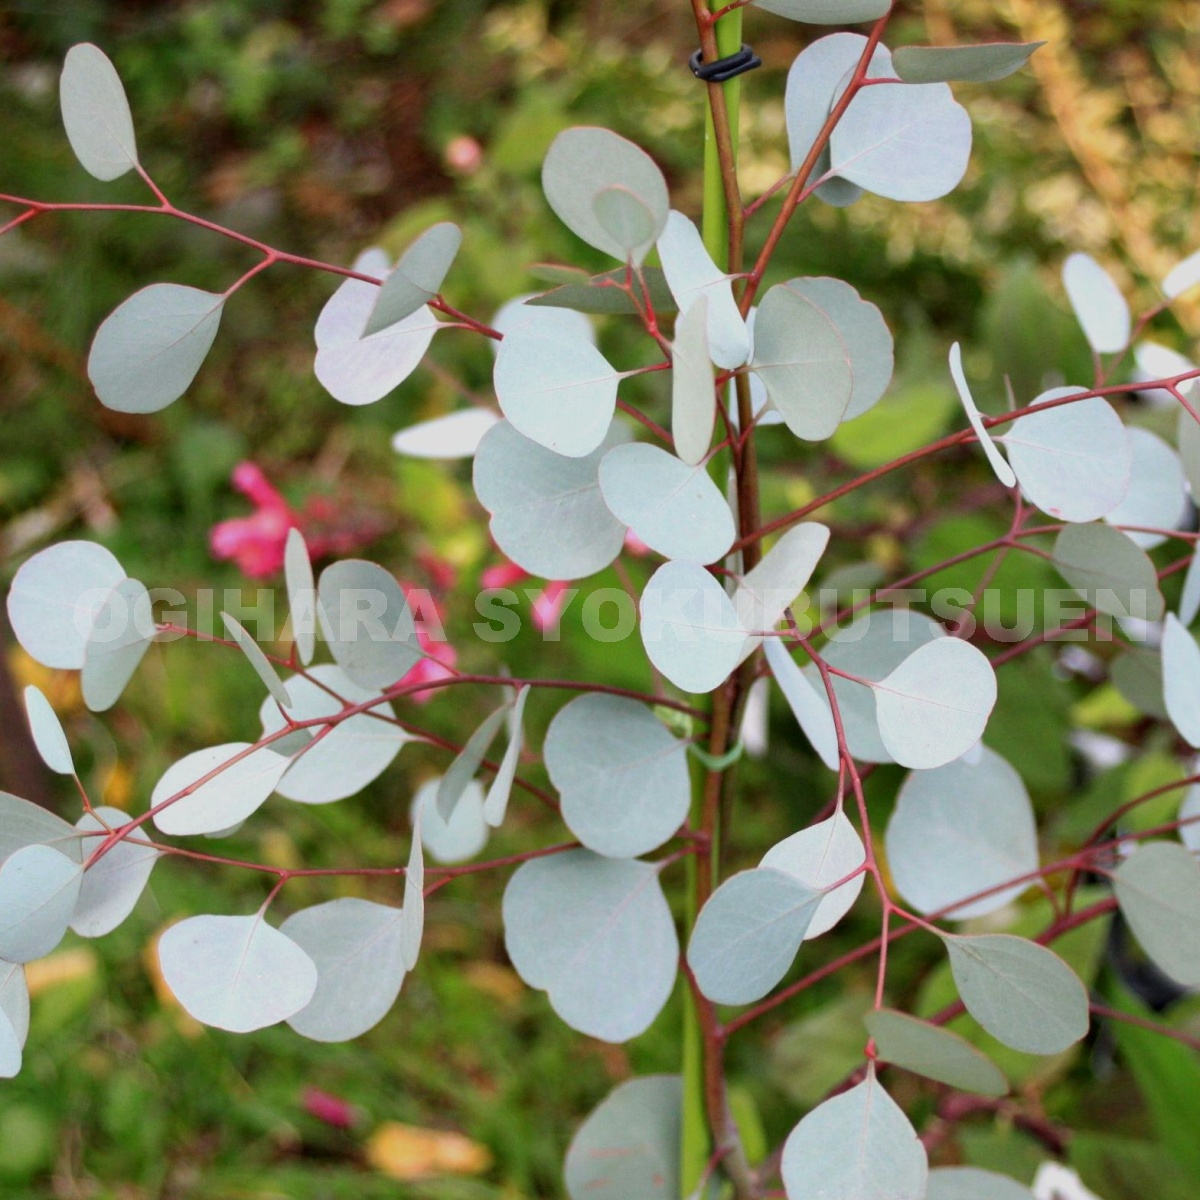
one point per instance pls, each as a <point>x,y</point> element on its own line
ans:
<point>504,575</point>
<point>548,606</point>
<point>431,639</point>
<point>635,545</point>
<point>333,1110</point>
<point>256,543</point>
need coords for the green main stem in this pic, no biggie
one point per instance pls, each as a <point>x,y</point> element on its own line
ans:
<point>706,1128</point>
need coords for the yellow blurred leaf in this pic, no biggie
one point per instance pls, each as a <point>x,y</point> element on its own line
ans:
<point>116,790</point>
<point>501,983</point>
<point>65,966</point>
<point>280,850</point>
<point>409,1152</point>
<point>61,688</point>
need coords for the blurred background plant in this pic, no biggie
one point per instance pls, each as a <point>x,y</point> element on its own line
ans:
<point>326,126</point>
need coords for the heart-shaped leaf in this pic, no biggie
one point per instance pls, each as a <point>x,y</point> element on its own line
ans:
<point>38,890</point>
<point>586,161</point>
<point>358,369</point>
<point>748,932</point>
<point>119,638</point>
<point>802,358</point>
<point>674,508</point>
<point>1074,461</point>
<point>857,1146</point>
<point>1109,571</point>
<point>54,599</point>
<point>351,755</point>
<point>870,647</point>
<point>236,973</point>
<point>548,515</point>
<point>355,946</point>
<point>622,776</point>
<point>368,623</point>
<point>114,883</point>
<point>820,856</point>
<point>904,141</point>
<point>1157,496</point>
<point>690,628</point>
<point>959,829</point>
<point>561,392</point>
<point>596,934</point>
<point>935,705</point>
<point>148,350</point>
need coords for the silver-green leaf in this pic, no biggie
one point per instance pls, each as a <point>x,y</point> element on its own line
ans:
<point>596,934</point>
<point>1158,889</point>
<point>495,803</point>
<point>802,358</point>
<point>559,391</point>
<point>114,883</point>
<point>96,114</point>
<point>547,512</point>
<point>628,1148</point>
<point>586,161</point>
<point>1023,994</point>
<point>417,277</point>
<point>972,64</point>
<point>47,732</point>
<point>934,1052</point>
<point>1109,570</point>
<point>236,973</point>
<point>38,890</point>
<point>356,948</point>
<point>857,1146</point>
<point>622,776</point>
<point>959,829</point>
<point>148,350</point>
<point>368,623</point>
<point>674,508</point>
<point>748,932</point>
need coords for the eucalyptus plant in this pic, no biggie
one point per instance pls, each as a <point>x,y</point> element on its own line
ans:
<point>645,781</point>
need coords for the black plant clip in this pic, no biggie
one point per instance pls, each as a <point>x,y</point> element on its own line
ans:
<point>724,68</point>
